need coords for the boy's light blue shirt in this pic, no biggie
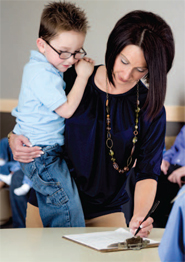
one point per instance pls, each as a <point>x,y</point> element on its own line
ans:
<point>42,92</point>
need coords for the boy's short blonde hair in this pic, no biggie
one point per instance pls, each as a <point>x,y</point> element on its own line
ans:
<point>61,16</point>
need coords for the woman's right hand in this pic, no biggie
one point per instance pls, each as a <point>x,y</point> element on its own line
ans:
<point>22,149</point>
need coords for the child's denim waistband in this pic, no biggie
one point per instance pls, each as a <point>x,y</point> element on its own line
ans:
<point>50,147</point>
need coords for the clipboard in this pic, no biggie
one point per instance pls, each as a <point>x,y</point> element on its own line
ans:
<point>101,241</point>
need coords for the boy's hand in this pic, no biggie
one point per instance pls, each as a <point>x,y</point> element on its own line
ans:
<point>84,67</point>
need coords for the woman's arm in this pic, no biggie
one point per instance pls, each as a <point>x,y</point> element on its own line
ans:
<point>147,170</point>
<point>144,196</point>
<point>22,149</point>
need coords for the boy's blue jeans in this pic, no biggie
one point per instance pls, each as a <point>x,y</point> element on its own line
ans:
<point>57,194</point>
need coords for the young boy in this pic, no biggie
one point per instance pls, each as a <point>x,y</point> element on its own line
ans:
<point>43,106</point>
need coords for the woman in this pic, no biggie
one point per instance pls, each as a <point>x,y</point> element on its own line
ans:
<point>118,121</point>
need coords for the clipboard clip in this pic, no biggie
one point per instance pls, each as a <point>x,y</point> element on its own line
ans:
<point>134,243</point>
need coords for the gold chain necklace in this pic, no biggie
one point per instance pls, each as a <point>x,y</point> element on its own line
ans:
<point>109,141</point>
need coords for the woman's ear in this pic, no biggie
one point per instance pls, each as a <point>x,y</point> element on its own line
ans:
<point>41,45</point>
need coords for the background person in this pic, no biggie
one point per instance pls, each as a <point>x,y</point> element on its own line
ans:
<point>171,178</point>
<point>173,164</point>
<point>18,203</point>
<point>172,246</point>
<point>7,164</point>
<point>7,168</point>
<point>13,176</point>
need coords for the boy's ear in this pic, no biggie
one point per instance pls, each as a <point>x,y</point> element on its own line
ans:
<point>41,45</point>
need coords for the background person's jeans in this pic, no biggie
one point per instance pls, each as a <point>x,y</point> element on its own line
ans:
<point>10,164</point>
<point>18,203</point>
<point>5,151</point>
<point>57,194</point>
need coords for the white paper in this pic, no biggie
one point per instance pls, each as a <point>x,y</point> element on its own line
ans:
<point>101,240</point>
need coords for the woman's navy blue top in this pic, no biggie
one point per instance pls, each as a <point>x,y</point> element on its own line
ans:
<point>101,187</point>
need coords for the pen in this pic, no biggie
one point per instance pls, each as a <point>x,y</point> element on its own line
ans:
<point>153,208</point>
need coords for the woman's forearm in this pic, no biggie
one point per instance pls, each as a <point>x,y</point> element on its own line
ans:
<point>144,196</point>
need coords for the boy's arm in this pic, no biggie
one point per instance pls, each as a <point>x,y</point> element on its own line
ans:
<point>74,97</point>
<point>84,69</point>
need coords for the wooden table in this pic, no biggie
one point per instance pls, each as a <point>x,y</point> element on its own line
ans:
<point>47,245</point>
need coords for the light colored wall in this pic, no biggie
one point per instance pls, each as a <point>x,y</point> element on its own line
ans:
<point>20,23</point>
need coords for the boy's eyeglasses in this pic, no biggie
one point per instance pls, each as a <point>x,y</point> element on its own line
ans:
<point>65,55</point>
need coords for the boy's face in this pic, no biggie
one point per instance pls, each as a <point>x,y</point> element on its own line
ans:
<point>69,41</point>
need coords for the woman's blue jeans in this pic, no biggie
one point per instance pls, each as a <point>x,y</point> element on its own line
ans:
<point>57,194</point>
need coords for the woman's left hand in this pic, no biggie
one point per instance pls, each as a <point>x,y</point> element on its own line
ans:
<point>146,226</point>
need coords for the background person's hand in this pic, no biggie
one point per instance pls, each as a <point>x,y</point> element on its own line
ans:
<point>164,166</point>
<point>175,176</point>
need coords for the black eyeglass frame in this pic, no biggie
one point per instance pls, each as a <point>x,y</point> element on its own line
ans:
<point>70,54</point>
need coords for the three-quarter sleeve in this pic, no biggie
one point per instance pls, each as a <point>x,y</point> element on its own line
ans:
<point>150,149</point>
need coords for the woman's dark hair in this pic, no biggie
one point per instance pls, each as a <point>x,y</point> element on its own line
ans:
<point>150,32</point>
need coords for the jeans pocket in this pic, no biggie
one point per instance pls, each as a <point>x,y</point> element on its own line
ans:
<point>52,190</point>
<point>58,198</point>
